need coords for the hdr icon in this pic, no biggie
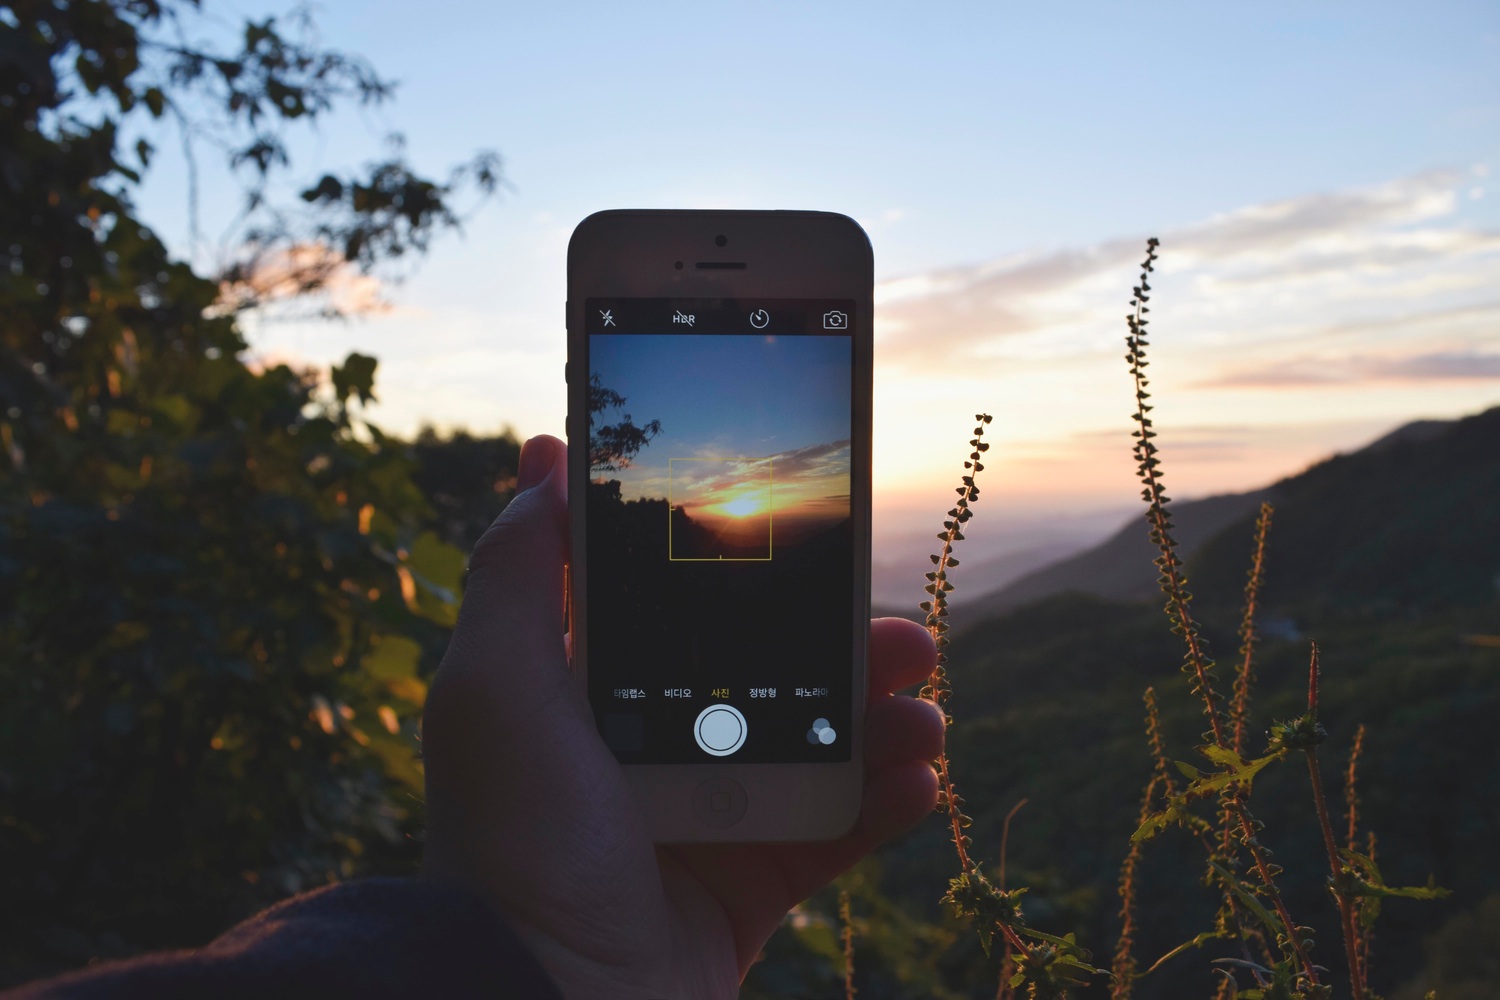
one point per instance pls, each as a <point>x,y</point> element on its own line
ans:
<point>685,318</point>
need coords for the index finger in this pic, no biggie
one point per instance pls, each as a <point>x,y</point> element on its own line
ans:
<point>902,653</point>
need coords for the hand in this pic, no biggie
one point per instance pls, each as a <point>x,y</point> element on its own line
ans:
<point>526,804</point>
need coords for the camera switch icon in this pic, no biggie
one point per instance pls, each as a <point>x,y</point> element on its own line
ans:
<point>835,319</point>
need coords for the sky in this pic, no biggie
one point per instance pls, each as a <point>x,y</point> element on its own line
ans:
<point>1321,177</point>
<point>749,424</point>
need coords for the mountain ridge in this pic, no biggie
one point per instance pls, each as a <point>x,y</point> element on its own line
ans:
<point>1120,568</point>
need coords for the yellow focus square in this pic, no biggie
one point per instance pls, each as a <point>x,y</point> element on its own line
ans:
<point>719,509</point>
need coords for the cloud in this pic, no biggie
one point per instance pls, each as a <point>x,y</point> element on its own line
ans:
<point>1293,223</point>
<point>1316,267</point>
<point>802,474</point>
<point>306,274</point>
<point>813,463</point>
<point>1438,366</point>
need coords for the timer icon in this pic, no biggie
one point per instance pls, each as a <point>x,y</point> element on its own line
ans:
<point>760,319</point>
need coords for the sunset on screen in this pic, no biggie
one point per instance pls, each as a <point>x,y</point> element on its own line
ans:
<point>753,453</point>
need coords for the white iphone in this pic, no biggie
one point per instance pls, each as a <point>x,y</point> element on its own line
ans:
<point>719,381</point>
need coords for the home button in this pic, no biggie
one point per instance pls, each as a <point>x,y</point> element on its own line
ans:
<point>720,802</point>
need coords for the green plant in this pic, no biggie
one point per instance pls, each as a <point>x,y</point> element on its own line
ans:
<point>1253,910</point>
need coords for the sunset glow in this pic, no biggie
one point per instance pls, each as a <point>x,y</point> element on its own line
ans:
<point>743,506</point>
<point>753,454</point>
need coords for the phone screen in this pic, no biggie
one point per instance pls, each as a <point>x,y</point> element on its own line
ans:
<point>720,547</point>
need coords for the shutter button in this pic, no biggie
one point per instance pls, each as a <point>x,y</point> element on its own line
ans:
<point>720,730</point>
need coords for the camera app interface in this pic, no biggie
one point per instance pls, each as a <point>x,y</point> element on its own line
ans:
<point>720,559</point>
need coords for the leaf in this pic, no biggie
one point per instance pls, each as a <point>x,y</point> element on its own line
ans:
<point>400,760</point>
<point>438,570</point>
<point>1219,755</point>
<point>1272,922</point>
<point>356,376</point>
<point>178,410</point>
<point>1189,772</point>
<point>1237,770</point>
<point>1157,822</point>
<point>1369,884</point>
<point>408,689</point>
<point>1410,891</point>
<point>121,423</point>
<point>392,657</point>
<point>127,634</point>
<point>328,189</point>
<point>1068,943</point>
<point>1197,942</point>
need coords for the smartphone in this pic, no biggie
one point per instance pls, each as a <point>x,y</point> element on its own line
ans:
<point>719,379</point>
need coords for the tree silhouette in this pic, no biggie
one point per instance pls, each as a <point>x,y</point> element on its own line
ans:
<point>612,446</point>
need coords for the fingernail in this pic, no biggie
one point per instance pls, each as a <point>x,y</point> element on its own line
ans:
<point>538,456</point>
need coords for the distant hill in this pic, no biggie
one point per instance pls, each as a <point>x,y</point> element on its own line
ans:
<point>1408,524</point>
<point>1120,567</point>
<point>1355,525</point>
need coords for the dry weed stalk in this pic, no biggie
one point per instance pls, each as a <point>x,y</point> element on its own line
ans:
<point>1124,966</point>
<point>1314,734</point>
<point>1006,991</point>
<point>1364,919</point>
<point>1351,789</point>
<point>847,936</point>
<point>1364,930</point>
<point>938,587</point>
<point>1048,965</point>
<point>1244,679</point>
<point>1196,662</point>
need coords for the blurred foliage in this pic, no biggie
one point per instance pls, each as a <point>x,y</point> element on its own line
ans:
<point>465,479</point>
<point>220,588</point>
<point>1463,957</point>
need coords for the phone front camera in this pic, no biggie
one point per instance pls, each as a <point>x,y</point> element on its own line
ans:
<point>678,265</point>
<point>720,241</point>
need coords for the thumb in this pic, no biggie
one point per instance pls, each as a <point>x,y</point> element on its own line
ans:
<point>511,623</point>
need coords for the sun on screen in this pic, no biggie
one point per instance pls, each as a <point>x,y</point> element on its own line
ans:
<point>743,507</point>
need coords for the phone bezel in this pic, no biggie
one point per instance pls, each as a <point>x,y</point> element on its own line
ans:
<point>787,254</point>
